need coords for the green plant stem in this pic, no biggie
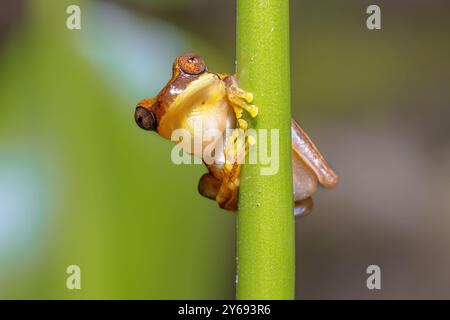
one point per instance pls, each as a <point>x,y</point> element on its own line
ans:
<point>265,226</point>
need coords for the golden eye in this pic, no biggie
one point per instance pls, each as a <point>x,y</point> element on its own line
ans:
<point>191,63</point>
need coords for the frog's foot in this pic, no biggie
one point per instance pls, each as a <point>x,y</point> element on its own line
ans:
<point>223,184</point>
<point>213,188</point>
<point>240,100</point>
<point>222,181</point>
<point>227,198</point>
<point>303,207</point>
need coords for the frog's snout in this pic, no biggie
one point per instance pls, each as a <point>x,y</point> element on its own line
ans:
<point>145,118</point>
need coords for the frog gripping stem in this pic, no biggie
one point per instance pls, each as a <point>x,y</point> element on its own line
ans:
<point>265,223</point>
<point>240,100</point>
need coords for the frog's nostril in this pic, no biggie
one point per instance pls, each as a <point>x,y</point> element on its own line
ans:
<point>145,118</point>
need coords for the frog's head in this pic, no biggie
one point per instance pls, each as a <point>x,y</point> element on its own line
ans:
<point>190,78</point>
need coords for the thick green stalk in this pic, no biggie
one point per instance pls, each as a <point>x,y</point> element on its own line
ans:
<point>265,227</point>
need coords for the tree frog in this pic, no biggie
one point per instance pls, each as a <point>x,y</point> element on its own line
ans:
<point>215,99</point>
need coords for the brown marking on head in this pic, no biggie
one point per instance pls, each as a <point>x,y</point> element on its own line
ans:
<point>186,68</point>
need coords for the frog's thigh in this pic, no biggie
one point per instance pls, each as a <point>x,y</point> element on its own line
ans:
<point>304,179</point>
<point>209,186</point>
<point>303,207</point>
<point>213,188</point>
<point>311,156</point>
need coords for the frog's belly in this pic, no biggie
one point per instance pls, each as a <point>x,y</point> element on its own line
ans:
<point>230,124</point>
<point>207,127</point>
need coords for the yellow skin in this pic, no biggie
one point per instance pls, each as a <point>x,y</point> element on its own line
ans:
<point>195,94</point>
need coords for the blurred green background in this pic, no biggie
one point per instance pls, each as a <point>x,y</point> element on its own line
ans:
<point>81,184</point>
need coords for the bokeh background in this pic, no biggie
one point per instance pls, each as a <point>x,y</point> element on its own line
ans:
<point>81,184</point>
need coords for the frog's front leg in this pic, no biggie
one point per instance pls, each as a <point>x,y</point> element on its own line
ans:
<point>235,149</point>
<point>222,182</point>
<point>239,100</point>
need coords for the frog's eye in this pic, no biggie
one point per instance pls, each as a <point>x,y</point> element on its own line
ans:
<point>191,64</point>
<point>145,118</point>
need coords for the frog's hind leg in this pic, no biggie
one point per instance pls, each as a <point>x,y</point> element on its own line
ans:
<point>303,146</point>
<point>209,186</point>
<point>227,197</point>
<point>217,185</point>
<point>303,207</point>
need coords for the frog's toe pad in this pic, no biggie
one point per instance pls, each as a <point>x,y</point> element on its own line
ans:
<point>303,207</point>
